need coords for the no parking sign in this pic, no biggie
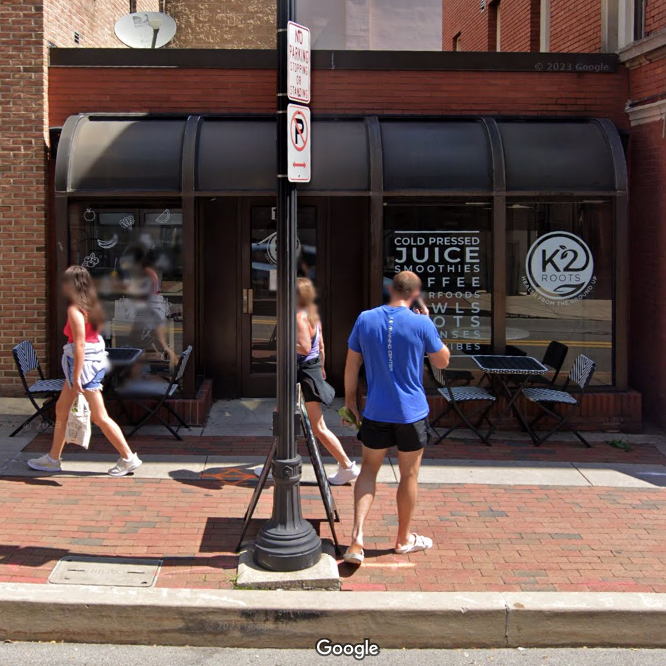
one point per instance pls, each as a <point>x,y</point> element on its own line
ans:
<point>299,144</point>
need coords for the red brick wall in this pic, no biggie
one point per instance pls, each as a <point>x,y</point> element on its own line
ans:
<point>75,90</point>
<point>465,17</point>
<point>94,20</point>
<point>648,269</point>
<point>23,297</point>
<point>519,25</point>
<point>648,80</point>
<point>575,26</point>
<point>655,16</point>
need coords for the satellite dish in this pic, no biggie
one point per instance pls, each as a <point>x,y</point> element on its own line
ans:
<point>145,30</point>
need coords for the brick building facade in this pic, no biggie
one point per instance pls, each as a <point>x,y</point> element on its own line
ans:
<point>41,98</point>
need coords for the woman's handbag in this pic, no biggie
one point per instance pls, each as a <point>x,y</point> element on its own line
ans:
<point>78,423</point>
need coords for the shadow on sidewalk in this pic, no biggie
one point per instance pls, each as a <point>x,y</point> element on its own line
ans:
<point>32,556</point>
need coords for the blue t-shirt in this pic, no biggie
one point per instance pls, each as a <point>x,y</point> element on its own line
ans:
<point>393,342</point>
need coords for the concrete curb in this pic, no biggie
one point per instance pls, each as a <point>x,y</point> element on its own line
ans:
<point>280,619</point>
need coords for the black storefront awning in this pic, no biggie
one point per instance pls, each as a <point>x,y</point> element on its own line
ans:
<point>232,155</point>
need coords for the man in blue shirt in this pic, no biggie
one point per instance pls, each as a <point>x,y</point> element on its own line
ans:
<point>392,341</point>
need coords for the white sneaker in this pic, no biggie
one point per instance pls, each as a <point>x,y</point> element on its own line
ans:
<point>45,464</point>
<point>344,475</point>
<point>124,467</point>
<point>258,471</point>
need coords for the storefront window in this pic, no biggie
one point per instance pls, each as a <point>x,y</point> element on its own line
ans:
<point>560,280</point>
<point>135,257</point>
<point>449,246</point>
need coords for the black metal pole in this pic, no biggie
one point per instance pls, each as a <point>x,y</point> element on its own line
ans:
<point>286,542</point>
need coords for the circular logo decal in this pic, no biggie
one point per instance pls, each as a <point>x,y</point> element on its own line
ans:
<point>271,248</point>
<point>559,266</point>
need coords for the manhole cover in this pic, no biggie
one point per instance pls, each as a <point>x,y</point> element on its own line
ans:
<point>111,571</point>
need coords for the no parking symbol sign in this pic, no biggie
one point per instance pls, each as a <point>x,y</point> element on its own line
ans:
<point>299,144</point>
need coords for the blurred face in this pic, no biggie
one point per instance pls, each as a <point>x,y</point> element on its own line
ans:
<point>305,298</point>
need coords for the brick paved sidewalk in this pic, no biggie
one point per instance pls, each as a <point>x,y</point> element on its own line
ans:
<point>487,537</point>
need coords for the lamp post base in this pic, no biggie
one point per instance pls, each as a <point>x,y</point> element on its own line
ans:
<point>287,542</point>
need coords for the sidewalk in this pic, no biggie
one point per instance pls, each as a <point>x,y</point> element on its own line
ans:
<point>505,518</point>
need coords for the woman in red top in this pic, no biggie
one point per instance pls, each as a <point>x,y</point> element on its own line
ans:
<point>84,363</point>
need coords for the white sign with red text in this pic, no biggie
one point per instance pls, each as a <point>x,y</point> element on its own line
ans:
<point>299,143</point>
<point>298,63</point>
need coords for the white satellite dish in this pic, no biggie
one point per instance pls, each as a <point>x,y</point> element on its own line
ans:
<point>145,30</point>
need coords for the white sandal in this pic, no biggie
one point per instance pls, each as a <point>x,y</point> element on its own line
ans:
<point>353,558</point>
<point>420,543</point>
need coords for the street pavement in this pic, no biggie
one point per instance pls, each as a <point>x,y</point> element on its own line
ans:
<point>57,654</point>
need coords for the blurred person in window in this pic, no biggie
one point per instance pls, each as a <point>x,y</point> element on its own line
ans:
<point>149,329</point>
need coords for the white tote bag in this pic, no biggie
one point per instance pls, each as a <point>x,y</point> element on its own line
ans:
<point>78,423</point>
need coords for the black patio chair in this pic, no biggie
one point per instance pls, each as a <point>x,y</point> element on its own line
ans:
<point>554,358</point>
<point>546,398</point>
<point>142,391</point>
<point>437,376</point>
<point>455,396</point>
<point>26,361</point>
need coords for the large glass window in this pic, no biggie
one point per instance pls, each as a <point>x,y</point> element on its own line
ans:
<point>559,279</point>
<point>449,245</point>
<point>135,257</point>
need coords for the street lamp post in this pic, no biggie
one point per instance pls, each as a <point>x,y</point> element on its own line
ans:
<point>286,542</point>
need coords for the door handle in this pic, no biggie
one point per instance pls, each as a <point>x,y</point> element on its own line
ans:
<point>248,301</point>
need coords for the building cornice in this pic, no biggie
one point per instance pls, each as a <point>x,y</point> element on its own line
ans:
<point>644,51</point>
<point>647,113</point>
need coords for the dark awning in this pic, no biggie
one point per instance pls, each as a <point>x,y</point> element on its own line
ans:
<point>436,155</point>
<point>240,155</point>
<point>557,156</point>
<point>126,155</point>
<point>415,156</point>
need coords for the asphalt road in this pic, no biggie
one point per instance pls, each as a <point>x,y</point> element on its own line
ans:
<point>50,654</point>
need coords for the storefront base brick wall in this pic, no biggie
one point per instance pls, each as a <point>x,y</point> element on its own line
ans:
<point>616,411</point>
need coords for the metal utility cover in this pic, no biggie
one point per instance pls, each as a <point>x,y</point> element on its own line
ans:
<point>110,571</point>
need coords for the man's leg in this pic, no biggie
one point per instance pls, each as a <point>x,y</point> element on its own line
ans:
<point>409,463</point>
<point>364,493</point>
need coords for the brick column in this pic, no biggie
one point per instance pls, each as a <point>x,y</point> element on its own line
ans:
<point>23,291</point>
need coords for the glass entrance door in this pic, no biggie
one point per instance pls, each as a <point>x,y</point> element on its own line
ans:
<point>259,290</point>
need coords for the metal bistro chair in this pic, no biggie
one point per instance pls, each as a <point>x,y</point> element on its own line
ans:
<point>454,396</point>
<point>141,391</point>
<point>26,361</point>
<point>554,357</point>
<point>581,374</point>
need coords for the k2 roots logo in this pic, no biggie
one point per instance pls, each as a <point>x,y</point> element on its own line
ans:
<point>560,268</point>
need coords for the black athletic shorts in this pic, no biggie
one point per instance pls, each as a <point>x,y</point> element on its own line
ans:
<point>406,436</point>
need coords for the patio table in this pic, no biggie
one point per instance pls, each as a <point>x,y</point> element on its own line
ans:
<point>500,370</point>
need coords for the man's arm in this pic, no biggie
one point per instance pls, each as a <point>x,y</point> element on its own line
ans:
<point>441,358</point>
<point>352,367</point>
